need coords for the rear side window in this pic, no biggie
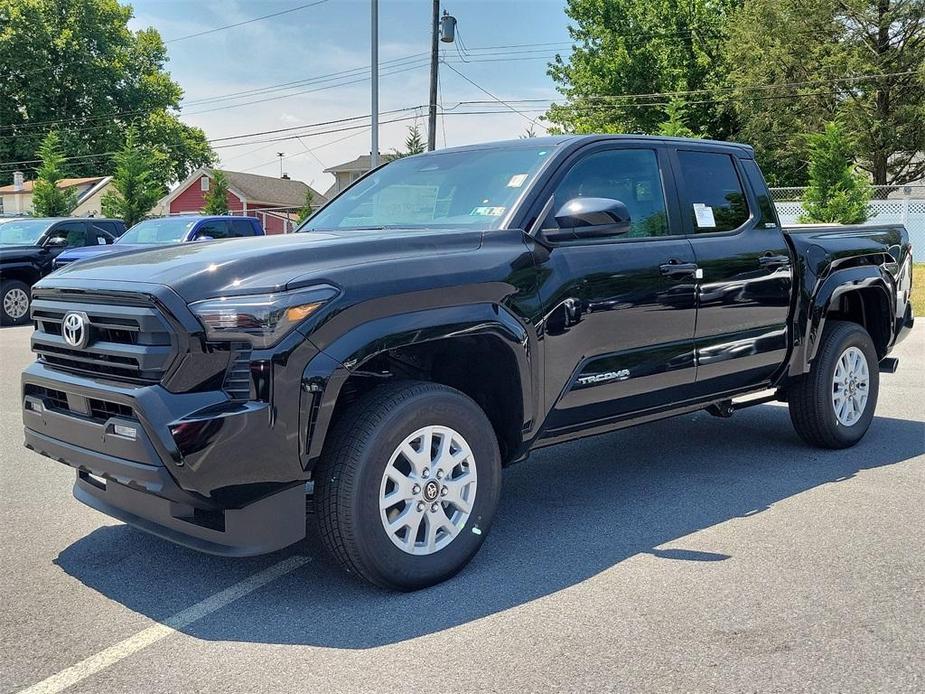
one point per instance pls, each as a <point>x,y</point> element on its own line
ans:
<point>241,227</point>
<point>715,197</point>
<point>628,175</point>
<point>101,236</point>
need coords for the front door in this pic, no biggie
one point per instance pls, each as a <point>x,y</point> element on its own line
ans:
<point>744,295</point>
<point>619,312</point>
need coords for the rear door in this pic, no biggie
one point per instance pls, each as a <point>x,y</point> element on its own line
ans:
<point>619,312</point>
<point>743,297</point>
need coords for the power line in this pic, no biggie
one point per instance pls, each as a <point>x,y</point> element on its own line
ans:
<point>500,101</point>
<point>247,21</point>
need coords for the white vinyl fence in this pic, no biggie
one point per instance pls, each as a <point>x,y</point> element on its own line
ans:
<point>891,205</point>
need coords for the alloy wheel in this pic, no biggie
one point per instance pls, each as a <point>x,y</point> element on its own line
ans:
<point>428,490</point>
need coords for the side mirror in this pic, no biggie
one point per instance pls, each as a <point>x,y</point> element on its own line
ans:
<point>586,218</point>
<point>56,242</point>
<point>204,237</point>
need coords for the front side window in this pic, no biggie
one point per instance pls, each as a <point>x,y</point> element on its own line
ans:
<point>74,232</point>
<point>715,197</point>
<point>214,229</point>
<point>469,189</point>
<point>630,176</point>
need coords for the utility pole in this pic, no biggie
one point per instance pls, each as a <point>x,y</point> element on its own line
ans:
<point>374,65</point>
<point>434,58</point>
<point>443,29</point>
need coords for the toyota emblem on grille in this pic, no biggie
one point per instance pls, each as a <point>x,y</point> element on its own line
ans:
<point>75,330</point>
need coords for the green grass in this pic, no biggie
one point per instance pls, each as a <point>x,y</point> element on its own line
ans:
<point>918,289</point>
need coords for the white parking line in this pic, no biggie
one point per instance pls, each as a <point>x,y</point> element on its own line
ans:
<point>112,655</point>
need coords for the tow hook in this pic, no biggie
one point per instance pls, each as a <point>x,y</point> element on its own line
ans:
<point>724,409</point>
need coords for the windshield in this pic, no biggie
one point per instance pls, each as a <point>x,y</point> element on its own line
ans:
<point>155,231</point>
<point>23,232</point>
<point>471,188</point>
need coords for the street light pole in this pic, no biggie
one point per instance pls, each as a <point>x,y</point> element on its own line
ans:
<point>434,57</point>
<point>374,65</point>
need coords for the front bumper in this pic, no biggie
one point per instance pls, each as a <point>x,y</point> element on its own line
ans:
<point>195,468</point>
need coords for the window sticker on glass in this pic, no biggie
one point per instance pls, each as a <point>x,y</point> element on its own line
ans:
<point>517,180</point>
<point>704,215</point>
<point>488,211</point>
<point>100,241</point>
<point>406,203</point>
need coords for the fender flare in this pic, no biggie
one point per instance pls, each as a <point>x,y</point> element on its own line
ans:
<point>811,319</point>
<point>326,373</point>
<point>24,271</point>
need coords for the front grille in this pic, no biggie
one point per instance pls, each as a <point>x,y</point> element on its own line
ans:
<point>103,409</point>
<point>129,341</point>
<point>52,399</point>
<point>94,408</point>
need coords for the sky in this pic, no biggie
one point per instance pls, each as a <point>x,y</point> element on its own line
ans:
<point>331,41</point>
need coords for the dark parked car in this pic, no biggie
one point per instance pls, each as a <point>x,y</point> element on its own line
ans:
<point>169,230</point>
<point>28,247</point>
<point>441,318</point>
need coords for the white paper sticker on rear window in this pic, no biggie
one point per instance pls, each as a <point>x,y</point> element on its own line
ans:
<point>517,180</point>
<point>704,216</point>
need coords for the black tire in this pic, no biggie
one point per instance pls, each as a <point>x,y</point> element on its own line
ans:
<point>810,398</point>
<point>350,472</point>
<point>9,287</point>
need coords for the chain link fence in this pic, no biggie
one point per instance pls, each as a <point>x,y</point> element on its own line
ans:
<point>890,205</point>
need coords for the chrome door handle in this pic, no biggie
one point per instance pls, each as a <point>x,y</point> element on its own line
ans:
<point>672,269</point>
<point>774,260</point>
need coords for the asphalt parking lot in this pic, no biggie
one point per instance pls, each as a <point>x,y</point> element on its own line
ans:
<point>690,554</point>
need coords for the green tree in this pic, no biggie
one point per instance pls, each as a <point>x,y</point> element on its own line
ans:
<point>216,199</point>
<point>674,124</point>
<point>75,65</point>
<point>631,47</point>
<point>307,210</point>
<point>48,200</point>
<point>137,182</point>
<point>795,65</point>
<point>414,144</point>
<point>836,192</point>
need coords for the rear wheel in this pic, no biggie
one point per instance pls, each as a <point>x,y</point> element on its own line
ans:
<point>408,485</point>
<point>833,405</point>
<point>15,300</point>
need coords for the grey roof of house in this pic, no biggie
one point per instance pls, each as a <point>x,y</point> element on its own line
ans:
<point>361,163</point>
<point>267,189</point>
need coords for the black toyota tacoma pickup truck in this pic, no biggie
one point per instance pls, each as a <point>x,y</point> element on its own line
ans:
<point>438,320</point>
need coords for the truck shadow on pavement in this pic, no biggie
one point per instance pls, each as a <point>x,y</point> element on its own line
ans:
<point>566,515</point>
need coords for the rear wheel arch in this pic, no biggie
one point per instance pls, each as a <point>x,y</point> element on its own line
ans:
<point>863,295</point>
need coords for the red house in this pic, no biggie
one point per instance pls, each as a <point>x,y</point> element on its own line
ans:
<point>274,201</point>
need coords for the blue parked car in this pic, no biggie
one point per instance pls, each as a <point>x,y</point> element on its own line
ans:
<point>169,230</point>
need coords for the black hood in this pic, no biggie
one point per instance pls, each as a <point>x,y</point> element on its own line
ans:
<point>263,264</point>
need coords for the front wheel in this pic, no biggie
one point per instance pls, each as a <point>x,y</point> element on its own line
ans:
<point>408,485</point>
<point>833,405</point>
<point>14,302</point>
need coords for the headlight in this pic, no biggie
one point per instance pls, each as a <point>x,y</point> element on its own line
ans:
<point>261,319</point>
